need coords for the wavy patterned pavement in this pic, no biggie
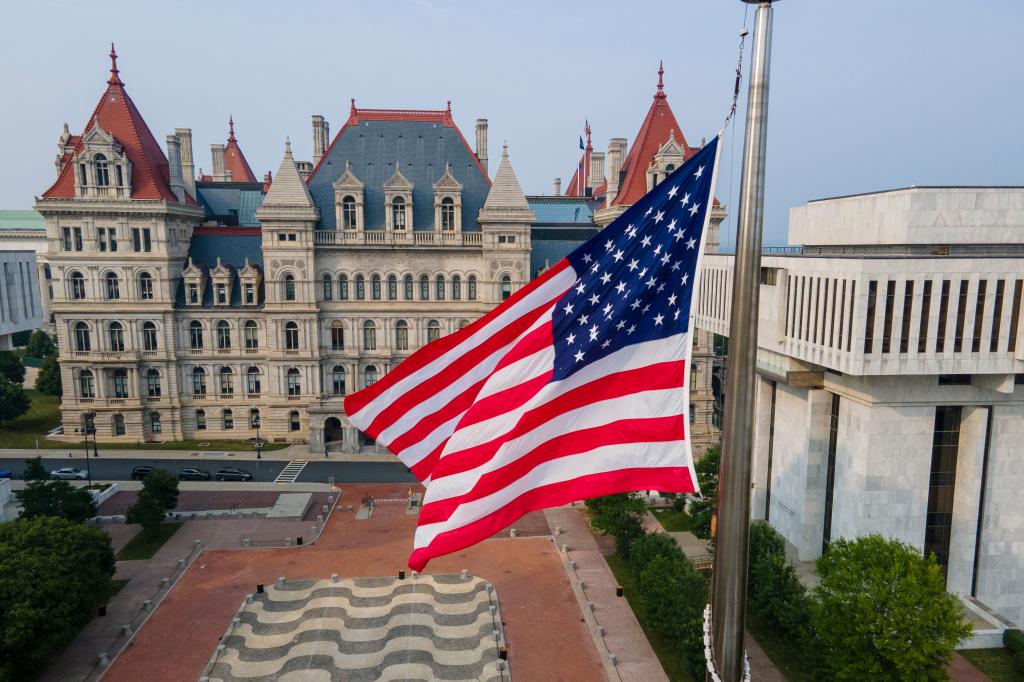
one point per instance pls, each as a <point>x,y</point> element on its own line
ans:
<point>430,626</point>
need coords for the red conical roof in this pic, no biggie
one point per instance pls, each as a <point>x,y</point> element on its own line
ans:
<point>118,115</point>
<point>234,159</point>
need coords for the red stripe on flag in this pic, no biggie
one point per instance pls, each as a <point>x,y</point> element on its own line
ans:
<point>668,479</point>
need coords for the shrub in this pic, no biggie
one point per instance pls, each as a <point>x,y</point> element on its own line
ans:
<point>620,516</point>
<point>147,512</point>
<point>775,592</point>
<point>1013,640</point>
<point>40,344</point>
<point>163,486</point>
<point>14,402</point>
<point>12,367</point>
<point>48,380</point>
<point>646,549</point>
<point>56,498</point>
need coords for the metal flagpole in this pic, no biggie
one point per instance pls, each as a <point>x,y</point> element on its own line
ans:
<point>729,592</point>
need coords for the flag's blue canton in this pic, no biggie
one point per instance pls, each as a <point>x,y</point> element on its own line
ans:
<point>636,276</point>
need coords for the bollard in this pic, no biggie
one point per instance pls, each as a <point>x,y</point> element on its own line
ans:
<point>619,590</point>
<point>501,665</point>
<point>600,630</point>
<point>198,543</point>
<point>590,605</point>
<point>280,581</point>
<point>494,609</point>
<point>236,620</point>
<point>146,604</point>
<point>259,588</point>
<point>165,582</point>
<point>287,542</point>
<point>126,629</point>
<point>326,508</point>
<point>583,585</point>
<point>334,577</point>
<point>465,574</point>
<point>247,542</point>
<point>512,533</point>
<point>614,659</point>
<point>497,635</point>
<point>565,548</point>
<point>319,519</point>
<point>104,660</point>
<point>181,563</point>
<point>558,530</point>
<point>572,564</point>
<point>248,599</point>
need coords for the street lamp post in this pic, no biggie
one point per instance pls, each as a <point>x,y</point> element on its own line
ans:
<point>90,427</point>
<point>259,444</point>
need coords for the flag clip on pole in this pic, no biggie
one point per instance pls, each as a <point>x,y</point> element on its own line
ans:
<point>729,588</point>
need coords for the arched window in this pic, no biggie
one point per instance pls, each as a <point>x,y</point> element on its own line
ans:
<point>254,418</point>
<point>471,289</point>
<point>407,286</point>
<point>77,286</point>
<point>360,287</point>
<point>343,287</point>
<point>348,213</point>
<point>294,382</point>
<point>198,381</point>
<point>401,335</point>
<point>252,381</point>
<point>338,380</point>
<point>375,287</point>
<point>424,288</point>
<point>118,425</point>
<point>149,336</point>
<point>225,380</point>
<point>392,288</point>
<point>229,419</point>
<point>83,340</point>
<point>200,420</point>
<point>337,335</point>
<point>447,214</point>
<point>291,336</point>
<point>195,335</point>
<point>289,288</point>
<point>669,168</point>
<point>433,331</point>
<point>328,288</point>
<point>115,336</point>
<point>154,423</point>
<point>294,421</point>
<point>153,383</point>
<point>112,287</point>
<point>120,378</point>
<point>456,288</point>
<point>439,287</point>
<point>463,324</point>
<point>506,287</point>
<point>86,384</point>
<point>398,213</point>
<point>369,335</point>
<point>223,335</point>
<point>251,332</point>
<point>369,375</point>
<point>145,286</point>
<point>101,170</point>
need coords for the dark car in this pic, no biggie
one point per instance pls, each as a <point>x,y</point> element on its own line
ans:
<point>232,475</point>
<point>193,474</point>
<point>139,473</point>
<point>4,473</point>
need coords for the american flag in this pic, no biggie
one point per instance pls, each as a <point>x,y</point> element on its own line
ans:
<point>574,387</point>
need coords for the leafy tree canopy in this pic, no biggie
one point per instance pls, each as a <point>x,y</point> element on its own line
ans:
<point>163,486</point>
<point>12,367</point>
<point>56,498</point>
<point>40,344</point>
<point>14,402</point>
<point>147,512</point>
<point>701,510</point>
<point>621,516</point>
<point>34,470</point>
<point>48,380</point>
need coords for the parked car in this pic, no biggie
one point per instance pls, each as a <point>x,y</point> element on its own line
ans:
<point>69,474</point>
<point>193,474</point>
<point>4,473</point>
<point>140,472</point>
<point>231,474</point>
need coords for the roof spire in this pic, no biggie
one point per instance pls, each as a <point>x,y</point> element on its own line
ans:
<point>114,78</point>
<point>288,147</point>
<point>231,128</point>
<point>661,74</point>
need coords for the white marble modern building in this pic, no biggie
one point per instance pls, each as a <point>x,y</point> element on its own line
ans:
<point>890,363</point>
<point>20,306</point>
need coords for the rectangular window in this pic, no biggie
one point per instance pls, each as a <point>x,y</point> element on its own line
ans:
<point>153,385</point>
<point>940,335</point>
<point>890,299</point>
<point>942,483</point>
<point>280,236</point>
<point>200,420</point>
<point>869,323</point>
<point>961,315</point>
<point>291,236</point>
<point>222,294</point>
<point>337,338</point>
<point>1011,343</point>
<point>78,238</point>
<point>193,294</point>
<point>922,330</point>
<point>908,308</point>
<point>83,177</point>
<point>229,420</point>
<point>979,316</point>
<point>250,294</point>
<point>997,316</point>
<point>849,318</point>
<point>142,240</point>
<point>102,238</point>
<point>112,232</point>
<point>830,472</point>
<point>69,244</point>
<point>954,380</point>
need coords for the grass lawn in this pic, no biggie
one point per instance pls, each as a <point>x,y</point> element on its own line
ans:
<point>996,663</point>
<point>141,547</point>
<point>668,653</point>
<point>671,520</point>
<point>115,587</point>
<point>788,656</point>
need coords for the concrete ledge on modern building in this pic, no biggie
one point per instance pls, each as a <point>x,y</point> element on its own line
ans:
<point>987,626</point>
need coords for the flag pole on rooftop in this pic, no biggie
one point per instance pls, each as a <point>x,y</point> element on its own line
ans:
<point>729,589</point>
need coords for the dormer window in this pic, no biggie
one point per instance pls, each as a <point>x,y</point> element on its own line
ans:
<point>398,202</point>
<point>447,202</point>
<point>222,294</point>
<point>195,280</point>
<point>250,277</point>
<point>222,276</point>
<point>100,171</point>
<point>447,214</point>
<point>103,168</point>
<point>348,213</point>
<point>398,213</point>
<point>193,293</point>
<point>670,156</point>
<point>348,200</point>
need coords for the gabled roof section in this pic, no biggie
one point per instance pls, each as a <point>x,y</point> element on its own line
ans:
<point>397,181</point>
<point>234,159</point>
<point>506,200</point>
<point>288,189</point>
<point>659,123</point>
<point>447,182</point>
<point>118,115</point>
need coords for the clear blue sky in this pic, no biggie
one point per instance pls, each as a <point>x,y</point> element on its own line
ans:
<point>865,95</point>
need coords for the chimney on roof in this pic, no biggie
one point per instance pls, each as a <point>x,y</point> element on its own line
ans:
<point>268,179</point>
<point>188,169</point>
<point>596,178</point>
<point>174,165</point>
<point>616,153</point>
<point>481,143</point>
<point>217,152</point>
<point>558,187</point>
<point>319,138</point>
<point>305,169</point>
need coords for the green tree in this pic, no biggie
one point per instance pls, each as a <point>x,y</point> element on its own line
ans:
<point>14,402</point>
<point>48,380</point>
<point>34,470</point>
<point>40,344</point>
<point>674,595</point>
<point>702,508</point>
<point>56,498</point>
<point>12,367</point>
<point>163,486</point>
<point>147,512</point>
<point>53,573</point>
<point>620,516</point>
<point>881,612</point>
<point>775,593</point>
<point>646,549</point>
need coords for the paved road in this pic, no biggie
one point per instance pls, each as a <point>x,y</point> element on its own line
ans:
<point>315,472</point>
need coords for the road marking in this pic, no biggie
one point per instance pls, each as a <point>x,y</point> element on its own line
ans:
<point>291,471</point>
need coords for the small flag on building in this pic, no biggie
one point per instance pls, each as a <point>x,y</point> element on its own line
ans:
<point>574,387</point>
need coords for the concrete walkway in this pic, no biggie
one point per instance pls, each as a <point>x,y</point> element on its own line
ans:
<point>594,583</point>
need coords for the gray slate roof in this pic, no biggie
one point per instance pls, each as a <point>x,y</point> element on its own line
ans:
<point>233,250</point>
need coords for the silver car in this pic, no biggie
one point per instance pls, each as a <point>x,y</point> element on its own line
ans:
<point>69,474</point>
